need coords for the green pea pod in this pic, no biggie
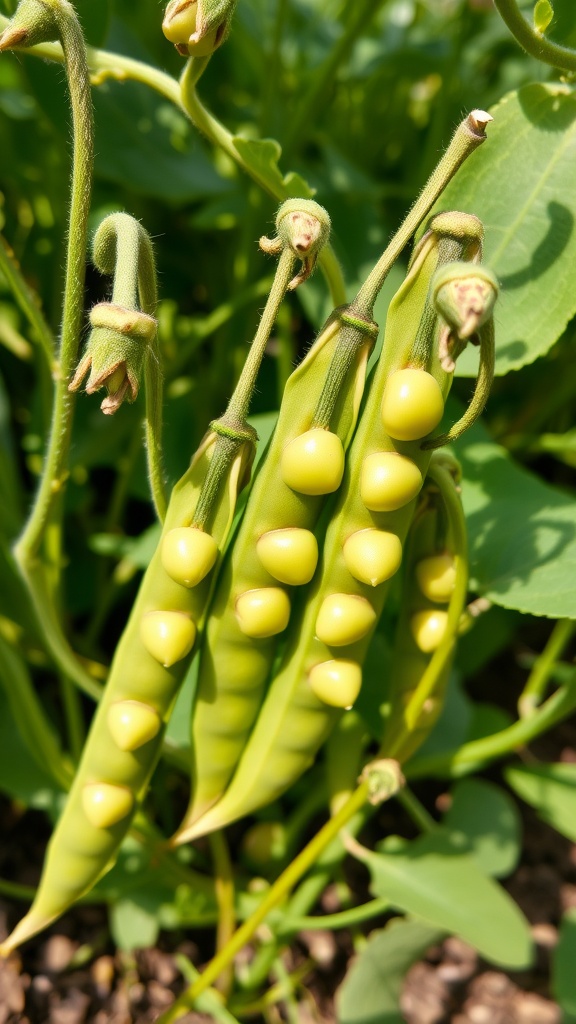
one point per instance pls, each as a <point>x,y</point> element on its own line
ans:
<point>433,601</point>
<point>126,735</point>
<point>314,681</point>
<point>234,667</point>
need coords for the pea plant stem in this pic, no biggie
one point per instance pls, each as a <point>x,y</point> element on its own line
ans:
<point>275,895</point>
<point>468,136</point>
<point>55,467</point>
<point>105,65</point>
<point>539,677</point>
<point>334,922</point>
<point>474,755</point>
<point>224,888</point>
<point>424,821</point>
<point>533,41</point>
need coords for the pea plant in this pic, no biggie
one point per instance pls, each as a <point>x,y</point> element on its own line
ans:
<point>242,653</point>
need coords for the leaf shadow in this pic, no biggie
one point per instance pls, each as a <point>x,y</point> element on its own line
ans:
<point>549,107</point>
<point>511,536</point>
<point>548,250</point>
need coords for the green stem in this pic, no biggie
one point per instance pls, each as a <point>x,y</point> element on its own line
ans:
<point>361,15</point>
<point>28,303</point>
<point>424,821</point>
<point>333,922</point>
<point>73,717</point>
<point>275,895</point>
<point>225,896</point>
<point>468,136</point>
<point>474,755</point>
<point>539,677</point>
<point>17,892</point>
<point>533,41</point>
<point>206,123</point>
<point>482,390</point>
<point>55,471</point>
<point>232,425</point>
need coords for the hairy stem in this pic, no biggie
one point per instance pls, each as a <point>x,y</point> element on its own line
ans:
<point>533,41</point>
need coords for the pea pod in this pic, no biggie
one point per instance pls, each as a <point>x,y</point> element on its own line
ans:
<point>234,666</point>
<point>305,462</point>
<point>433,600</point>
<point>156,647</point>
<point>321,670</point>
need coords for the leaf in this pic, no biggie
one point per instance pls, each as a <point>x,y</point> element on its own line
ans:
<point>563,960</point>
<point>551,790</point>
<point>133,921</point>
<point>262,156</point>
<point>520,183</point>
<point>144,142</point>
<point>431,880</point>
<point>488,820</point>
<point>522,532</point>
<point>370,992</point>
<point>543,15</point>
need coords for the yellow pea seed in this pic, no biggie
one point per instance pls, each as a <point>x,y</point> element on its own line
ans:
<point>167,636</point>
<point>436,577</point>
<point>262,613</point>
<point>372,556</point>
<point>313,463</point>
<point>188,554</point>
<point>344,619</point>
<point>428,629</point>
<point>132,724</point>
<point>289,555</point>
<point>412,404</point>
<point>388,481</point>
<point>336,682</point>
<point>105,805</point>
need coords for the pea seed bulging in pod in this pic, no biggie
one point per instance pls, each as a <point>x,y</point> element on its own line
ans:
<point>289,555</point>
<point>344,619</point>
<point>412,404</point>
<point>132,724</point>
<point>313,463</point>
<point>428,629</point>
<point>264,612</point>
<point>389,481</point>
<point>336,682</point>
<point>188,555</point>
<point>167,636</point>
<point>105,805</point>
<point>436,576</point>
<point>372,556</point>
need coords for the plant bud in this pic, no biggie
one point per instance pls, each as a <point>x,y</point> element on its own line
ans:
<point>436,577</point>
<point>343,619</point>
<point>372,556</point>
<point>412,404</point>
<point>428,629</point>
<point>197,27</point>
<point>464,295</point>
<point>336,682</point>
<point>132,724</point>
<point>263,613</point>
<point>289,555</point>
<point>313,463</point>
<point>105,805</point>
<point>167,636</point>
<point>304,227</point>
<point>389,481</point>
<point>33,23</point>
<point>188,555</point>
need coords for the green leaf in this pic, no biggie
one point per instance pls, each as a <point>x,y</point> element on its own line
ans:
<point>133,921</point>
<point>551,790</point>
<point>543,14</point>
<point>144,142</point>
<point>521,185</point>
<point>431,880</point>
<point>370,992</point>
<point>563,960</point>
<point>262,156</point>
<point>487,820</point>
<point>522,532</point>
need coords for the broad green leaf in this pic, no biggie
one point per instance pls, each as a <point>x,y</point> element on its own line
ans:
<point>551,790</point>
<point>487,819</point>
<point>144,142</point>
<point>521,185</point>
<point>431,880</point>
<point>133,921</point>
<point>562,446</point>
<point>370,992</point>
<point>522,532</point>
<point>262,156</point>
<point>563,961</point>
